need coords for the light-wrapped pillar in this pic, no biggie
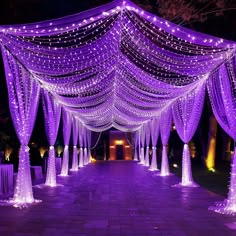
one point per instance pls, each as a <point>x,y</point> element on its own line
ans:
<point>147,140</point>
<point>51,168</point>
<point>81,143</point>
<point>75,142</point>
<point>67,121</point>
<point>85,156</point>
<point>23,91</point>
<point>165,169</point>
<point>147,154</point>
<point>153,165</point>
<point>186,113</point>
<point>187,179</point>
<point>81,157</point>
<point>228,206</point>
<point>136,142</point>
<point>89,140</point>
<point>154,136</point>
<point>142,139</point>
<point>165,128</point>
<point>222,93</point>
<point>52,115</point>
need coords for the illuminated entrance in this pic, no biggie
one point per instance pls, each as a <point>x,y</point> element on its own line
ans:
<point>120,149</point>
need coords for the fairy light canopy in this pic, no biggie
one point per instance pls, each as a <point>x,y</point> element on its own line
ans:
<point>115,65</point>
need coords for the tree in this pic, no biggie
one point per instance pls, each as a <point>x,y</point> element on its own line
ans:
<point>185,11</point>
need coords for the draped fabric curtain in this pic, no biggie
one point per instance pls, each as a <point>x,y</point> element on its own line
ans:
<point>154,134</point>
<point>186,114</point>
<point>67,122</point>
<point>150,72</point>
<point>75,130</point>
<point>52,115</point>
<point>147,140</point>
<point>81,145</point>
<point>24,92</point>
<point>165,128</point>
<point>142,140</point>
<point>89,141</point>
<point>85,146</point>
<point>222,92</point>
<point>136,144</point>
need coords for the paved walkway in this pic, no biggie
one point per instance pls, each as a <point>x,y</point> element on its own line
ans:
<point>117,198</point>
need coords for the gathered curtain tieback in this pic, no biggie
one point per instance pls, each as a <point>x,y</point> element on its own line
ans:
<point>25,147</point>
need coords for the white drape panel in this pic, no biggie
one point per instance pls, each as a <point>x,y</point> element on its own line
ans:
<point>81,144</point>
<point>89,142</point>
<point>85,133</point>
<point>136,145</point>
<point>142,140</point>
<point>52,115</point>
<point>67,122</point>
<point>154,134</point>
<point>24,94</point>
<point>147,140</point>
<point>222,92</point>
<point>75,126</point>
<point>165,128</point>
<point>186,114</point>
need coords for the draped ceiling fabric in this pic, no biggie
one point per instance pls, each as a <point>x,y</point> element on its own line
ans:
<point>119,66</point>
<point>115,65</point>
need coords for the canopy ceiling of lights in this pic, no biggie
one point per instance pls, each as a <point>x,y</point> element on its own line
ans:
<point>115,65</point>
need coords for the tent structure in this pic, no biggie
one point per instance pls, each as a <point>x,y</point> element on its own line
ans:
<point>116,66</point>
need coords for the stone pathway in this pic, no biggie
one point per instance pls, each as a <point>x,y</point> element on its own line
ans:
<point>117,199</point>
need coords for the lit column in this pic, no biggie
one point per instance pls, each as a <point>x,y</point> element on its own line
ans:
<point>51,168</point>
<point>75,159</point>
<point>147,157</point>
<point>75,135</point>
<point>65,161</point>
<point>67,122</point>
<point>228,206</point>
<point>142,160</point>
<point>85,156</point>
<point>187,179</point>
<point>135,154</point>
<point>153,166</point>
<point>154,135</point>
<point>23,191</point>
<point>165,170</point>
<point>81,157</point>
<point>142,139</point>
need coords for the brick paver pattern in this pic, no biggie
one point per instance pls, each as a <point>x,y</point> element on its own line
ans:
<point>118,198</point>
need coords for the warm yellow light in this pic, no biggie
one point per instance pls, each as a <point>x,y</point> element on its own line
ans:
<point>59,150</point>
<point>119,142</point>
<point>210,160</point>
<point>93,160</point>
<point>42,151</point>
<point>8,152</point>
<point>212,170</point>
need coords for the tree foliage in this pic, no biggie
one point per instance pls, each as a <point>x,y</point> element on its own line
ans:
<point>185,11</point>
